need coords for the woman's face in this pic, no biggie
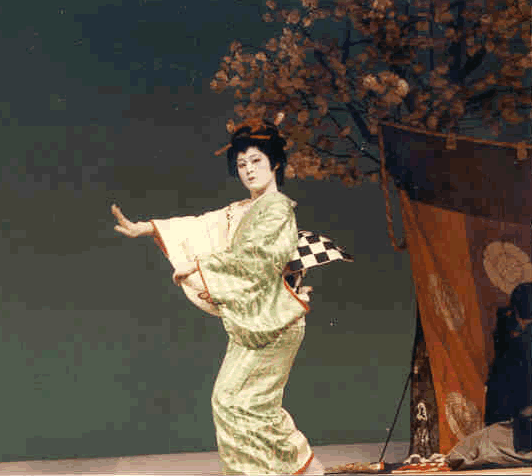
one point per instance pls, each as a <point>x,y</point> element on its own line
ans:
<point>255,171</point>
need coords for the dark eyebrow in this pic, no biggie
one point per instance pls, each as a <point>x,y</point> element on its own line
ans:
<point>251,157</point>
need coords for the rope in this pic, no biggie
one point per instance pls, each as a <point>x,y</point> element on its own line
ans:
<point>521,147</point>
<point>409,377</point>
<point>384,187</point>
<point>396,415</point>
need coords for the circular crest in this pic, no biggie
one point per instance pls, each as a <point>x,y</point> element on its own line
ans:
<point>463,417</point>
<point>446,303</point>
<point>506,265</point>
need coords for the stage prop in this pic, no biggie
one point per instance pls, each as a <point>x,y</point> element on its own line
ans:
<point>466,207</point>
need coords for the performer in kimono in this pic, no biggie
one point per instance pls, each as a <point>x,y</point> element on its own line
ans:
<point>506,441</point>
<point>230,263</point>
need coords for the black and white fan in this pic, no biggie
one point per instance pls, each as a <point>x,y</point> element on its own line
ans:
<point>312,250</point>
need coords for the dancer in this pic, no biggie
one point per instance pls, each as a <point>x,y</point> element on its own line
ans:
<point>235,257</point>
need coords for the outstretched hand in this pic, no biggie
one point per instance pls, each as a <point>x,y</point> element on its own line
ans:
<point>304,293</point>
<point>128,228</point>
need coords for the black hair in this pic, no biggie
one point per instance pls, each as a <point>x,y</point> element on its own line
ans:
<point>269,142</point>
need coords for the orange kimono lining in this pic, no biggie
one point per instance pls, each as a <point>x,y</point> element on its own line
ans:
<point>304,468</point>
<point>291,291</point>
<point>205,295</point>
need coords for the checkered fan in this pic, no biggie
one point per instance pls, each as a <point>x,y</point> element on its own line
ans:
<point>314,250</point>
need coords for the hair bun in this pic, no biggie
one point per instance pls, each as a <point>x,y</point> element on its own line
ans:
<point>254,128</point>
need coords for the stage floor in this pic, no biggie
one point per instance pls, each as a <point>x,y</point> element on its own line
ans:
<point>192,464</point>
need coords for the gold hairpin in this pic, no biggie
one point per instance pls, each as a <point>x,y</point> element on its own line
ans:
<point>255,124</point>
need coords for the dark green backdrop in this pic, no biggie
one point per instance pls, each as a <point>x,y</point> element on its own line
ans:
<point>101,354</point>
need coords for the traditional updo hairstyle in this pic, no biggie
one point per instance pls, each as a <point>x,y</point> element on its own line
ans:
<point>264,136</point>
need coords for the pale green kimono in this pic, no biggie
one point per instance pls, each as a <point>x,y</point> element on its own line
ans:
<point>265,323</point>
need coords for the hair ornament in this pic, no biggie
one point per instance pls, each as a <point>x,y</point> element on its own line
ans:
<point>255,124</point>
<point>279,118</point>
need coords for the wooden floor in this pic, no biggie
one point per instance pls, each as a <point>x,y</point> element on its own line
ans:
<point>476,472</point>
<point>189,464</point>
<point>192,464</point>
<point>479,473</point>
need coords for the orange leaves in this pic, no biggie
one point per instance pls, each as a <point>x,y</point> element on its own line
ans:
<point>457,109</point>
<point>310,4</point>
<point>235,81</point>
<point>322,104</point>
<point>371,83</point>
<point>432,122</point>
<point>307,162</point>
<point>392,99</point>
<point>307,21</point>
<point>423,26</point>
<point>445,17</point>
<point>285,84</point>
<point>301,135</point>
<point>374,177</point>
<point>339,13</point>
<point>303,116</point>
<point>272,45</point>
<point>507,103</point>
<point>282,75</point>
<point>442,69</point>
<point>290,171</point>
<point>362,57</point>
<point>402,88</point>
<point>293,17</point>
<point>239,110</point>
<point>299,83</point>
<point>217,86</point>
<point>235,47</point>
<point>388,78</point>
<point>438,82</point>
<point>526,61</point>
<point>448,94</point>
<point>230,126</point>
<point>451,34</point>
<point>221,75</point>
<point>256,95</point>
<point>512,117</point>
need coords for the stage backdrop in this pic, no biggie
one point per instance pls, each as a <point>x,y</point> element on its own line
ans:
<point>466,214</point>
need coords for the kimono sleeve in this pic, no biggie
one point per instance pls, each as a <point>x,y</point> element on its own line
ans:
<point>185,238</point>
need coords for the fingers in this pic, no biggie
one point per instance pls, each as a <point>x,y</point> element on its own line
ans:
<point>122,220</point>
<point>124,231</point>
<point>117,213</point>
<point>304,297</point>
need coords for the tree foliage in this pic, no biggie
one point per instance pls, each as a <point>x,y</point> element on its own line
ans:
<point>424,63</point>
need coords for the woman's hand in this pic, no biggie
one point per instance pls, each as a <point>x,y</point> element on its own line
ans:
<point>304,293</point>
<point>128,228</point>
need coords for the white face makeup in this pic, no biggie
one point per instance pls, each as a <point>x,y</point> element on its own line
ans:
<point>255,172</point>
